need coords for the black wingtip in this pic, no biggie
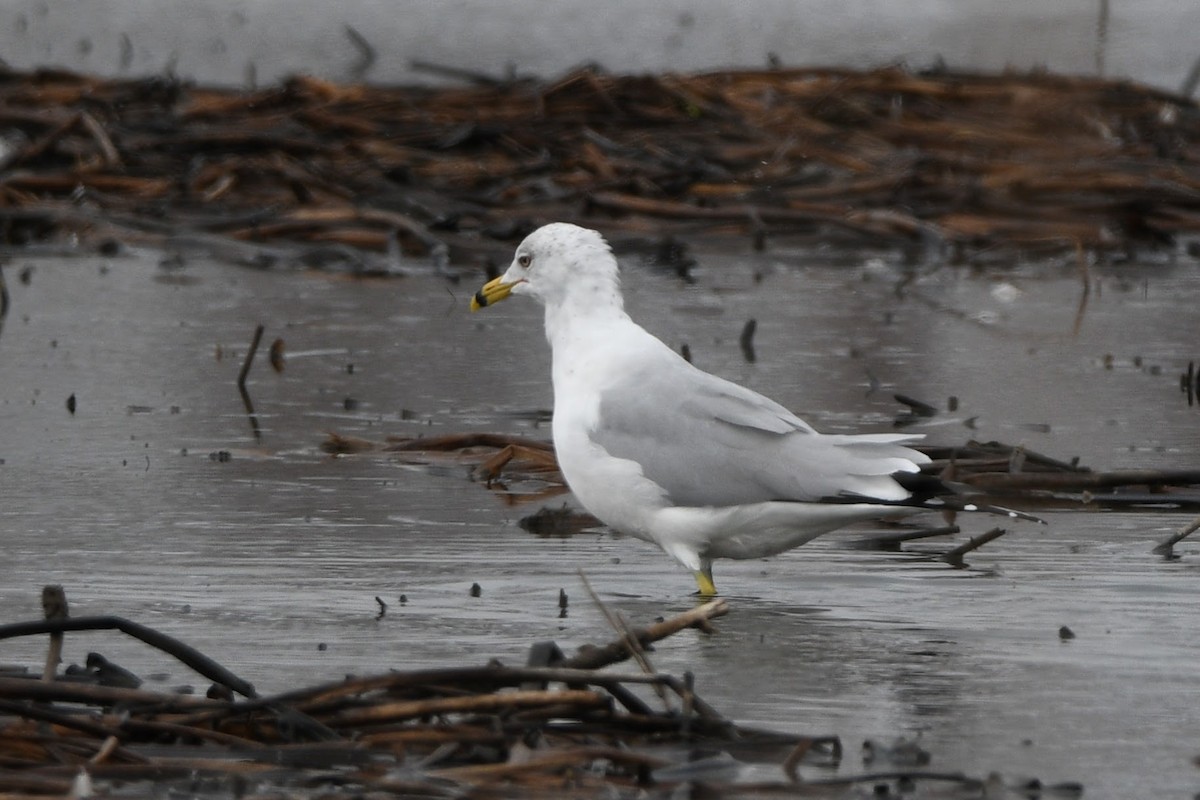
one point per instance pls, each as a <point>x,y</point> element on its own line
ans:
<point>936,494</point>
<point>1013,513</point>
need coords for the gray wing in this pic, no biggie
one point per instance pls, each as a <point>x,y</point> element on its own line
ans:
<point>709,442</point>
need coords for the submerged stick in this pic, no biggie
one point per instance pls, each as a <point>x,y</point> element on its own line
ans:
<point>746,340</point>
<point>458,441</point>
<point>241,382</point>
<point>1063,481</point>
<point>893,540</point>
<point>1086,280</point>
<point>54,607</point>
<point>255,428</point>
<point>955,557</point>
<point>917,407</point>
<point>1167,547</point>
<point>241,379</point>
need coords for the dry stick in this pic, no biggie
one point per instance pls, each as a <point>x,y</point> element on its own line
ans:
<point>39,146</point>
<point>188,655</point>
<point>688,699</point>
<point>164,768</point>
<point>1004,451</point>
<point>631,642</point>
<point>288,721</point>
<point>415,786</point>
<point>193,731</point>
<point>72,692</point>
<point>430,733</point>
<point>576,671</point>
<point>632,703</point>
<point>27,786</point>
<point>1166,547</point>
<point>321,698</point>
<point>110,746</point>
<point>554,759</point>
<point>108,151</point>
<point>685,690</point>
<point>490,468</point>
<point>615,652</point>
<point>386,713</point>
<point>76,722</point>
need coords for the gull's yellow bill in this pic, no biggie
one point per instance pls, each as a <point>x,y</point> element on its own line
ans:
<point>493,291</point>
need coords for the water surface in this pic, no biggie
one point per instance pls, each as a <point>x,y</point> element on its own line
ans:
<point>155,501</point>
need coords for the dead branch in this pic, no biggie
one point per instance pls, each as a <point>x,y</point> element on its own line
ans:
<point>188,655</point>
<point>617,651</point>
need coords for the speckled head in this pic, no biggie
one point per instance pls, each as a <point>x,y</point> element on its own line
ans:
<point>557,264</point>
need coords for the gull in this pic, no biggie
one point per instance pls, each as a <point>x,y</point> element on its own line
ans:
<point>658,449</point>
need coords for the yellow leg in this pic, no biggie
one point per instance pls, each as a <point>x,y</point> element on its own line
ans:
<point>704,580</point>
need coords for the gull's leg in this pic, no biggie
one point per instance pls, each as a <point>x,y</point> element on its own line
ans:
<point>704,579</point>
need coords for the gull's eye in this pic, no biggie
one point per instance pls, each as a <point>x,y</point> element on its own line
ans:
<point>525,260</point>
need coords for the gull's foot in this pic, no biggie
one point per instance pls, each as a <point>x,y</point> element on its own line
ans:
<point>704,580</point>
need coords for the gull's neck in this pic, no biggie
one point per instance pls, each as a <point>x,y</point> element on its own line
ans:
<point>583,306</point>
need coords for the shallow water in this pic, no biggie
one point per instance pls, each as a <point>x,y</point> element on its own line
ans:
<point>271,560</point>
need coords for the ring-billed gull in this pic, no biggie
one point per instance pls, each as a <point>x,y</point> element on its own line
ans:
<point>661,450</point>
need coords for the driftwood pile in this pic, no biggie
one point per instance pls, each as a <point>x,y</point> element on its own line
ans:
<point>943,163</point>
<point>559,727</point>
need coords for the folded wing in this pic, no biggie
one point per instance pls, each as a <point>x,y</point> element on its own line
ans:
<point>709,442</point>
